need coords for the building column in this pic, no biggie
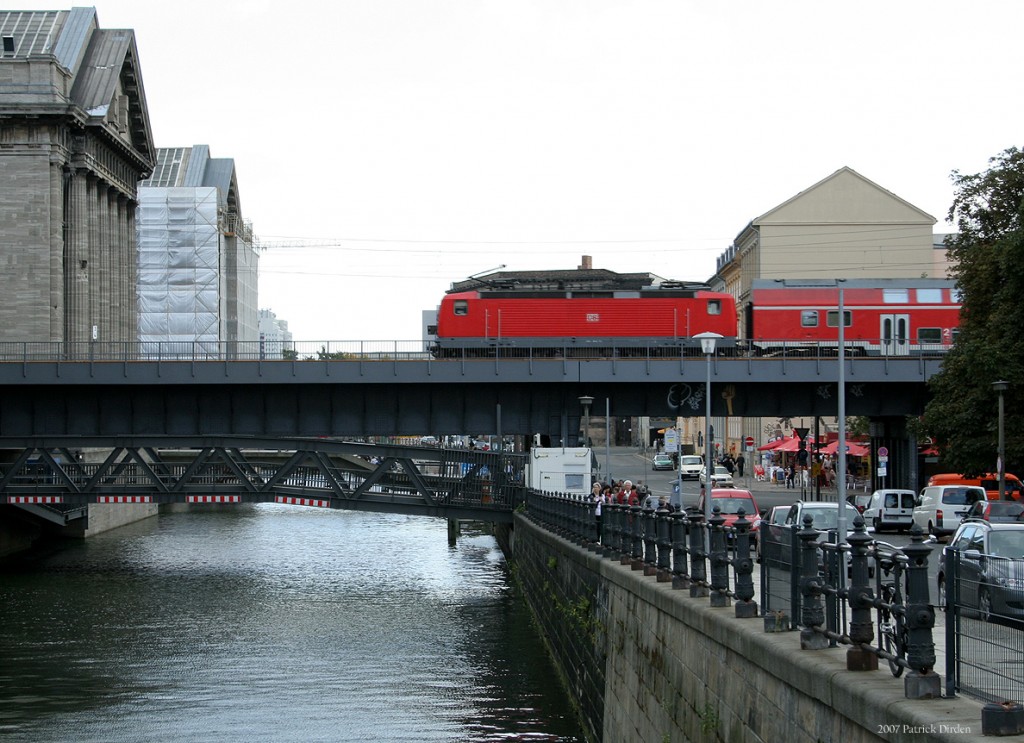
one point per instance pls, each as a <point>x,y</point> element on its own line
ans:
<point>76,274</point>
<point>58,233</point>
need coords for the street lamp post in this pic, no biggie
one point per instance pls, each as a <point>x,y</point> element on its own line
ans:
<point>1001,387</point>
<point>586,401</point>
<point>707,345</point>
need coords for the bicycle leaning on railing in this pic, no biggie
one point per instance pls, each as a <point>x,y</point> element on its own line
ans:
<point>892,629</point>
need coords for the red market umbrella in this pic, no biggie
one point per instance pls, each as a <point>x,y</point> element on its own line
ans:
<point>772,445</point>
<point>793,444</point>
<point>853,449</point>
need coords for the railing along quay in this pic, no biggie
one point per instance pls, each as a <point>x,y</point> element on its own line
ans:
<point>869,596</point>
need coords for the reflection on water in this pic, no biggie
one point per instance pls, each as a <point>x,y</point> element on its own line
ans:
<point>274,623</point>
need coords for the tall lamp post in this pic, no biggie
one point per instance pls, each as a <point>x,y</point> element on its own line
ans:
<point>586,401</point>
<point>707,345</point>
<point>1001,387</point>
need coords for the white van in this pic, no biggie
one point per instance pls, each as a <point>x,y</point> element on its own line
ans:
<point>890,509</point>
<point>941,507</point>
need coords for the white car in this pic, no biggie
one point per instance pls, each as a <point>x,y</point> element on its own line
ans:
<point>720,478</point>
<point>690,466</point>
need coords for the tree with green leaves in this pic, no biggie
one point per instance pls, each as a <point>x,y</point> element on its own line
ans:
<point>988,255</point>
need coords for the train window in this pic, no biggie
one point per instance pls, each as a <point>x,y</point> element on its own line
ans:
<point>956,296</point>
<point>832,319</point>
<point>714,307</point>
<point>808,318</point>
<point>929,335</point>
<point>929,296</point>
<point>460,307</point>
<point>895,296</point>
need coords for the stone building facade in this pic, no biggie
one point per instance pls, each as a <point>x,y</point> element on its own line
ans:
<point>75,140</point>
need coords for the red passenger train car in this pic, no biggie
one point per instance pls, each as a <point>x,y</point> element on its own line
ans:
<point>650,317</point>
<point>883,316</point>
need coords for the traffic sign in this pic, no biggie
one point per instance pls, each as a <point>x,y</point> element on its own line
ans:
<point>749,441</point>
<point>883,451</point>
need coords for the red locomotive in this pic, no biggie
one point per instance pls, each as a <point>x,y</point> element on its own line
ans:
<point>651,317</point>
<point>883,316</point>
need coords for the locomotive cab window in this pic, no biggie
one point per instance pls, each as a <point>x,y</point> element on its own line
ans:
<point>832,319</point>
<point>929,335</point>
<point>714,307</point>
<point>460,307</point>
<point>808,318</point>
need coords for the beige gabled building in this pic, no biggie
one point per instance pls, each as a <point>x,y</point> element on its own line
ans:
<point>844,226</point>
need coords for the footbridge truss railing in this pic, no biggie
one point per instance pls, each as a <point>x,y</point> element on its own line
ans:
<point>58,478</point>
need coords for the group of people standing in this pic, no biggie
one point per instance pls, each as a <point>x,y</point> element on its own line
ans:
<point>626,493</point>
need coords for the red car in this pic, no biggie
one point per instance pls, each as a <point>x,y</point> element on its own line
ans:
<point>730,501</point>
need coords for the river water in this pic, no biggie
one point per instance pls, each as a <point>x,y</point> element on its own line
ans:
<point>274,623</point>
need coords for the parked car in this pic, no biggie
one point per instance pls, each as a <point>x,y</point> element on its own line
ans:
<point>859,501</point>
<point>662,462</point>
<point>825,518</point>
<point>730,501</point>
<point>774,516</point>
<point>997,511</point>
<point>690,466</point>
<point>940,508</point>
<point>991,569</point>
<point>720,477</point>
<point>890,509</point>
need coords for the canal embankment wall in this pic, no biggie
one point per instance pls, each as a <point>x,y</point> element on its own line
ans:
<point>646,662</point>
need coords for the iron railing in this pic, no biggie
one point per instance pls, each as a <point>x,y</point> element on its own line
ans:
<point>394,350</point>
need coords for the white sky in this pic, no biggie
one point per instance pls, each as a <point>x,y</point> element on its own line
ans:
<point>407,144</point>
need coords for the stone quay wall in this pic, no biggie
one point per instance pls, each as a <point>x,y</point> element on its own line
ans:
<point>645,662</point>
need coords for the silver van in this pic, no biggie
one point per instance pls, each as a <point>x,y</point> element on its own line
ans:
<point>890,509</point>
<point>940,508</point>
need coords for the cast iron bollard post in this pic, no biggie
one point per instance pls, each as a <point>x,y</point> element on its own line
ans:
<point>698,570</point>
<point>719,559</point>
<point>861,597</point>
<point>921,682</point>
<point>616,537</point>
<point>663,524</point>
<point>650,543</point>
<point>811,612</point>
<point>746,607</point>
<point>680,577</point>
<point>626,545</point>
<point>636,561</point>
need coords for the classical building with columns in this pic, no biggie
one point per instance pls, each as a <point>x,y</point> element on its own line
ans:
<point>75,141</point>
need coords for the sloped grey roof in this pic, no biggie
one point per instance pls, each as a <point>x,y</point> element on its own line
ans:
<point>101,62</point>
<point>34,31</point>
<point>192,167</point>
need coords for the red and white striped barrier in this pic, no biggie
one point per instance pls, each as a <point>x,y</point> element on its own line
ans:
<point>213,499</point>
<point>124,498</point>
<point>35,499</point>
<point>290,501</point>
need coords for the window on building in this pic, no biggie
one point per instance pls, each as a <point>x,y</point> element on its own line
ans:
<point>8,46</point>
<point>895,296</point>
<point>460,307</point>
<point>832,320</point>
<point>808,318</point>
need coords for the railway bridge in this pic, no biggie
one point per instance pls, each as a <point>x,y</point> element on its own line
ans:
<point>191,425</point>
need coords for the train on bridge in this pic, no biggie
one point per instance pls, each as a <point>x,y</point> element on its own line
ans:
<point>880,317</point>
